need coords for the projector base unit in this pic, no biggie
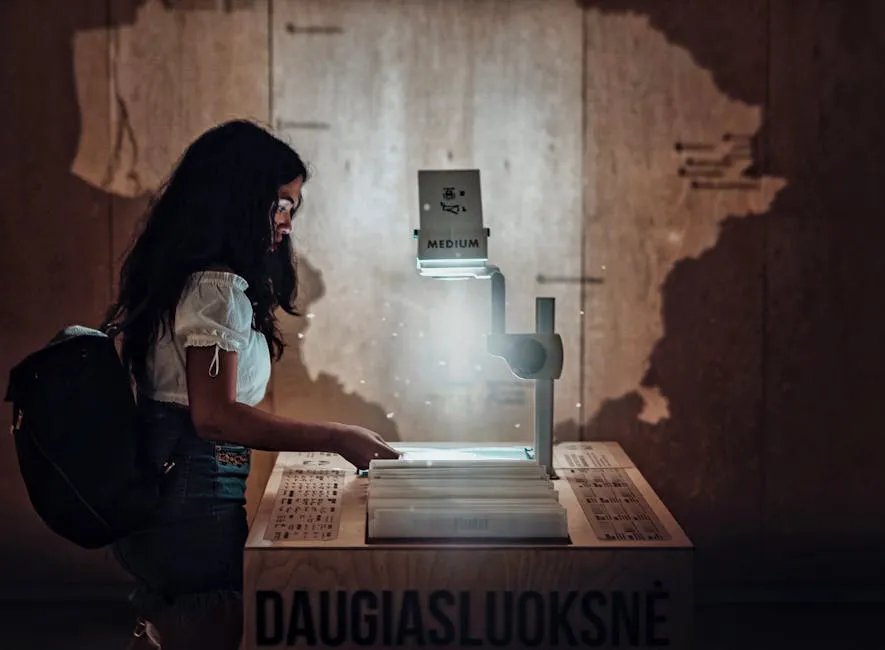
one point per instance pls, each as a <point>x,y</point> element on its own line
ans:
<point>518,524</point>
<point>314,576</point>
<point>463,499</point>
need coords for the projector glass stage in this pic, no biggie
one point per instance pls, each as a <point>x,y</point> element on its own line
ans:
<point>459,452</point>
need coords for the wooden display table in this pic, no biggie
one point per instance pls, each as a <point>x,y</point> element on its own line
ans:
<point>313,580</point>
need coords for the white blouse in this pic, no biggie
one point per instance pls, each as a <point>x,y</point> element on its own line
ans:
<point>213,311</point>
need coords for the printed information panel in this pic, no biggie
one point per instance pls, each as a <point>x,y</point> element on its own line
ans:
<point>581,455</point>
<point>307,506</point>
<point>613,505</point>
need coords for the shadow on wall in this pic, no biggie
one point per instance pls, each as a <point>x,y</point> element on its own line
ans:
<point>325,397</point>
<point>771,360</point>
<point>56,238</point>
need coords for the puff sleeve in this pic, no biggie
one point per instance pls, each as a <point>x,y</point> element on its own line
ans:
<point>214,311</point>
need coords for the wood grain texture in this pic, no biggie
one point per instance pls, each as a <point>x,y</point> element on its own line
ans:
<point>672,339</point>
<point>174,74</point>
<point>370,92</point>
<point>819,347</point>
<point>824,258</point>
<point>54,233</point>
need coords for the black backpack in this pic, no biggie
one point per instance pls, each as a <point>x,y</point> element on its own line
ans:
<point>78,439</point>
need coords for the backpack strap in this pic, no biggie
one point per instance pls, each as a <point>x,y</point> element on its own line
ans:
<point>112,330</point>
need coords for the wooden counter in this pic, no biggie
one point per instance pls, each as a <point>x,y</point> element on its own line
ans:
<point>625,580</point>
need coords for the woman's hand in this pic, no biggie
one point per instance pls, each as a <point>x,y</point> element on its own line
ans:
<point>360,446</point>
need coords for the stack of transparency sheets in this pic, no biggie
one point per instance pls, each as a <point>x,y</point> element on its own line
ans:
<point>476,499</point>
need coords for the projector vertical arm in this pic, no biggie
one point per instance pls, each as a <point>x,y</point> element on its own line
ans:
<point>499,302</point>
<point>537,357</point>
<point>545,323</point>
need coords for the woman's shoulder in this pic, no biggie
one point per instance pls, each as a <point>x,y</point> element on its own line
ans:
<point>216,296</point>
<point>219,276</point>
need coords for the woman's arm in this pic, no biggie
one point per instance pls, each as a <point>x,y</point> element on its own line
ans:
<point>218,416</point>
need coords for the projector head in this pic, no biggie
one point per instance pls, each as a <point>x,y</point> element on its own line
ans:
<point>452,242</point>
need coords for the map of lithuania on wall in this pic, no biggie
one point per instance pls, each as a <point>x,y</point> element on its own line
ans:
<point>381,345</point>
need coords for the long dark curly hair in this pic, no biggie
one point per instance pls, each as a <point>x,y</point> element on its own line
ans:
<point>214,212</point>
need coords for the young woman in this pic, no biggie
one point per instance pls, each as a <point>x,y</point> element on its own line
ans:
<point>199,292</point>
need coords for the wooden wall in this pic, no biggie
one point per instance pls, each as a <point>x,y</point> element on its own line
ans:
<point>768,354</point>
<point>673,349</point>
<point>700,182</point>
<point>54,243</point>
